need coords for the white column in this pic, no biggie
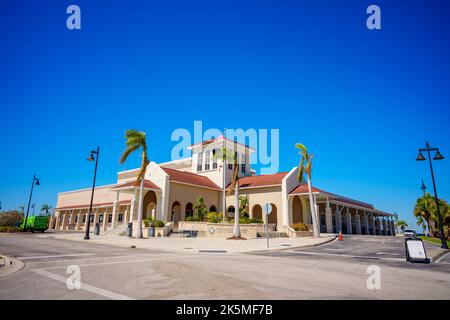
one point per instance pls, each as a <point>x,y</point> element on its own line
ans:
<point>86,221</point>
<point>105,219</point>
<point>134,206</point>
<point>385,228</point>
<point>357,223</point>
<point>72,218</point>
<point>372,222</point>
<point>349,222</point>
<point>337,217</point>
<point>57,222</point>
<point>64,222</point>
<point>78,223</point>
<point>366,222</point>
<point>95,217</point>
<point>329,217</point>
<point>115,211</point>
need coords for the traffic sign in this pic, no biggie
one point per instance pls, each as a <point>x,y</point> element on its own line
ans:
<point>267,208</point>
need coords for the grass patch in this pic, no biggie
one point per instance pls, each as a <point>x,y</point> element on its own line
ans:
<point>434,240</point>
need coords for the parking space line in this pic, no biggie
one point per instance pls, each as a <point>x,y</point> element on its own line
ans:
<point>345,255</point>
<point>120,262</point>
<point>442,257</point>
<point>84,286</point>
<point>91,259</point>
<point>388,253</point>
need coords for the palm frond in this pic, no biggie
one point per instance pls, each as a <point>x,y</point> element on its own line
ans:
<point>127,152</point>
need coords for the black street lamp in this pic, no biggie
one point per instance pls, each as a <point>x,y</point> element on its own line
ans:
<point>92,158</point>
<point>33,183</point>
<point>437,156</point>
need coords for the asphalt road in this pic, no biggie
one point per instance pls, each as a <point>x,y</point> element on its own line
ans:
<point>338,270</point>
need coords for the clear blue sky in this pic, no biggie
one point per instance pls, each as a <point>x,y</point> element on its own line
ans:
<point>362,101</point>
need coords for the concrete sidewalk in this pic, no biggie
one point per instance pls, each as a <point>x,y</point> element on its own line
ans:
<point>199,244</point>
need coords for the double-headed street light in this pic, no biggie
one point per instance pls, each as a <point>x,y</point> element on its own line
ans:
<point>33,183</point>
<point>437,156</point>
<point>92,158</point>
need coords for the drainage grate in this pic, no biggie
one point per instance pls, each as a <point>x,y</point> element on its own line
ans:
<point>213,251</point>
<point>285,245</point>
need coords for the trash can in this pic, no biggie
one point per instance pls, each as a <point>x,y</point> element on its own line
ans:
<point>130,229</point>
<point>97,229</point>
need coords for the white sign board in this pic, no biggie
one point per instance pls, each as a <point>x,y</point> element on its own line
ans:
<point>416,250</point>
<point>267,208</point>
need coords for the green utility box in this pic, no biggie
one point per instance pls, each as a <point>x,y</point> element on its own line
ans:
<point>36,223</point>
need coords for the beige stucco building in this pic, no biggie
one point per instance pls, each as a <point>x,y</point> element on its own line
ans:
<point>171,190</point>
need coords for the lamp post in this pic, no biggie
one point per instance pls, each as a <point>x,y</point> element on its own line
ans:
<point>92,158</point>
<point>33,183</point>
<point>437,156</point>
<point>423,187</point>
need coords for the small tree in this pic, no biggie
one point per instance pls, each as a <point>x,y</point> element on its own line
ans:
<point>200,209</point>
<point>402,224</point>
<point>243,207</point>
<point>46,208</point>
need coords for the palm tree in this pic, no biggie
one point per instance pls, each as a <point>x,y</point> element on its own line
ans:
<point>425,210</point>
<point>402,224</point>
<point>200,208</point>
<point>45,207</point>
<point>135,140</point>
<point>305,167</point>
<point>243,206</point>
<point>234,187</point>
<point>225,155</point>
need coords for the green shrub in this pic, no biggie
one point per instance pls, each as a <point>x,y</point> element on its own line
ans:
<point>192,218</point>
<point>10,229</point>
<point>147,222</point>
<point>213,217</point>
<point>254,220</point>
<point>10,218</point>
<point>158,223</point>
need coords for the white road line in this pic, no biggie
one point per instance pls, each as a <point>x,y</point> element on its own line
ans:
<point>334,249</point>
<point>442,257</point>
<point>74,261</point>
<point>57,256</point>
<point>84,286</point>
<point>388,254</point>
<point>346,255</point>
<point>120,262</point>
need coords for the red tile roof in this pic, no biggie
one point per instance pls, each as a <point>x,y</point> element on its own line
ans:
<point>83,206</point>
<point>303,188</point>
<point>262,180</point>
<point>190,178</point>
<point>147,184</point>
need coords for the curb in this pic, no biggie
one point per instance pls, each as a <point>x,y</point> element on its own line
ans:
<point>11,265</point>
<point>332,238</point>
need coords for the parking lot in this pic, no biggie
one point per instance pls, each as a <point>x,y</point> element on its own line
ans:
<point>337,270</point>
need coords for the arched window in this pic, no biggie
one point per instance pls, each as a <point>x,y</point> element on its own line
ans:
<point>212,209</point>
<point>189,212</point>
<point>230,211</point>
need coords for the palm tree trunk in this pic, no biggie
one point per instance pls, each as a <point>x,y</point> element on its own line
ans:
<point>236,229</point>
<point>313,210</point>
<point>140,210</point>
